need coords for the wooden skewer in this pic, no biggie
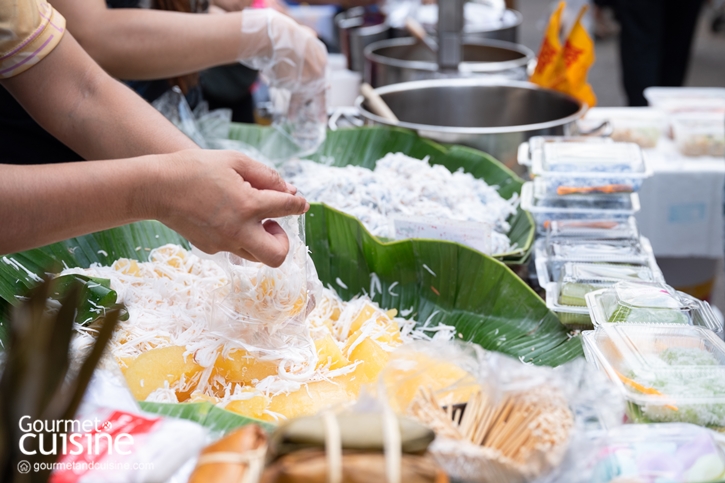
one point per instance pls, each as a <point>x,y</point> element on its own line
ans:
<point>376,103</point>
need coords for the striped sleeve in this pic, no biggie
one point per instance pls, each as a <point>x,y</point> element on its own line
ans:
<point>29,31</point>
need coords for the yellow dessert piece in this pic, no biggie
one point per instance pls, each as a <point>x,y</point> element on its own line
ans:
<point>241,367</point>
<point>365,314</point>
<point>373,359</point>
<point>329,353</point>
<point>253,407</point>
<point>152,369</point>
<point>312,398</point>
<point>127,267</point>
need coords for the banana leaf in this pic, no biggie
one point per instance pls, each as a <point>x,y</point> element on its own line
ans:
<point>205,413</point>
<point>364,146</point>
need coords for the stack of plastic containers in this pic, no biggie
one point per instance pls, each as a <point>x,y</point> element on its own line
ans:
<point>582,198</point>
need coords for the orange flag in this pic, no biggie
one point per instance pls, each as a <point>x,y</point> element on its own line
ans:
<point>577,57</point>
<point>550,50</point>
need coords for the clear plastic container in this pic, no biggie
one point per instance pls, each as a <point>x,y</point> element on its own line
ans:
<point>548,270</point>
<point>567,297</point>
<point>682,99</point>
<point>619,251</point>
<point>666,373</point>
<point>546,209</point>
<point>640,303</point>
<point>640,125</point>
<point>699,134</point>
<point>672,453</point>
<point>593,229</point>
<point>587,168</point>
<point>527,148</point>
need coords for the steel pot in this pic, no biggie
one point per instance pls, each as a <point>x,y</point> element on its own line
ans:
<point>403,60</point>
<point>356,30</point>
<point>495,117</point>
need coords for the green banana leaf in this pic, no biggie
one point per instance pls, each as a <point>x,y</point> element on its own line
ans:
<point>364,146</point>
<point>205,413</point>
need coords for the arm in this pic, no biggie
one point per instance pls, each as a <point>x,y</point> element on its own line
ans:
<point>152,44</point>
<point>93,114</point>
<point>216,199</point>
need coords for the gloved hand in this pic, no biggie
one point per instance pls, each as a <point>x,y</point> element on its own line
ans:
<point>287,54</point>
<point>293,62</point>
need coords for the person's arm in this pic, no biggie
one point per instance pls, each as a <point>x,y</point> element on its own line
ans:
<point>98,117</point>
<point>216,199</point>
<point>142,44</point>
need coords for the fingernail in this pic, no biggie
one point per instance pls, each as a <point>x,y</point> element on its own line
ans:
<point>290,188</point>
<point>307,207</point>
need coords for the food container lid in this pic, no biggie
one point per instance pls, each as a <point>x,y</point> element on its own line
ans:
<point>649,303</point>
<point>594,229</point>
<point>678,99</point>
<point>640,452</point>
<point>527,148</point>
<point>569,298</point>
<point>601,273</point>
<point>699,122</point>
<point>618,251</point>
<point>535,200</point>
<point>661,365</point>
<point>585,157</point>
<point>548,271</point>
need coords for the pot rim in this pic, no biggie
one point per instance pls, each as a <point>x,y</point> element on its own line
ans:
<point>466,67</point>
<point>434,83</point>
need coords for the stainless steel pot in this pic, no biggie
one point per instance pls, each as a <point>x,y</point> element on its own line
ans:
<point>403,60</point>
<point>492,116</point>
<point>356,30</point>
<point>509,33</point>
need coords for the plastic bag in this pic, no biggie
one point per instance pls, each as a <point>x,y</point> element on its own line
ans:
<point>263,309</point>
<point>496,419</point>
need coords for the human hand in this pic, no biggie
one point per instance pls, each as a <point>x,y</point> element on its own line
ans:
<point>289,55</point>
<point>219,200</point>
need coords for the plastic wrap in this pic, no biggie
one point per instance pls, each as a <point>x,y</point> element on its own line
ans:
<point>642,126</point>
<point>699,134</point>
<point>666,373</point>
<point>263,309</point>
<point>293,61</point>
<point>495,418</point>
<point>640,303</point>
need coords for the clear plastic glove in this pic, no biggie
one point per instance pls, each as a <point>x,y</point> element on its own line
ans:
<point>293,61</point>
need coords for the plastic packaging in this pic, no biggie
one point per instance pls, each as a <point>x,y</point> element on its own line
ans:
<point>640,125</point>
<point>548,409</point>
<point>619,251</point>
<point>550,270</point>
<point>474,234</point>
<point>593,229</point>
<point>699,134</point>
<point>640,303</point>
<point>589,168</point>
<point>566,298</point>
<point>546,209</point>
<point>676,453</point>
<point>293,61</point>
<point>536,143</point>
<point>666,373</point>
<point>263,309</point>
<point>681,99</point>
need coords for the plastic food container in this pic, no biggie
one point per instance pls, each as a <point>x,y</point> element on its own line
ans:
<point>640,125</point>
<point>666,373</point>
<point>621,251</point>
<point>682,99</point>
<point>593,229</point>
<point>640,303</point>
<point>536,143</point>
<point>567,297</point>
<point>589,168</point>
<point>549,270</point>
<point>546,209</point>
<point>699,134</point>
<point>673,453</point>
